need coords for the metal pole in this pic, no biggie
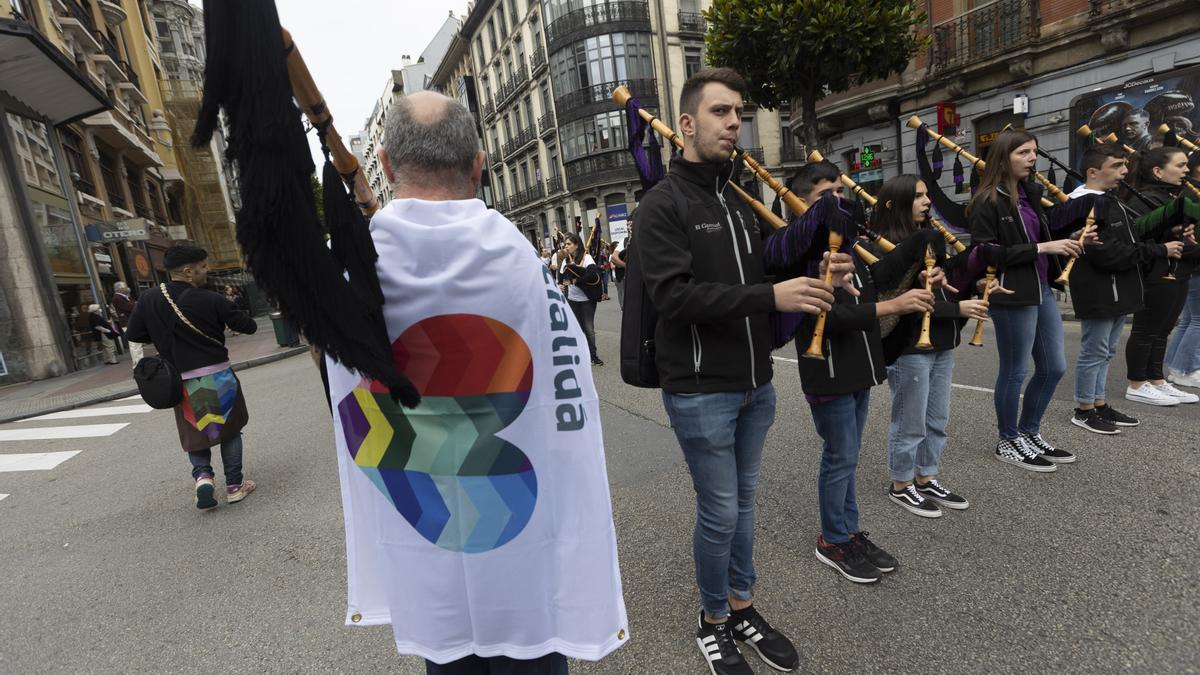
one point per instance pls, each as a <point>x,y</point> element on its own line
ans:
<point>69,191</point>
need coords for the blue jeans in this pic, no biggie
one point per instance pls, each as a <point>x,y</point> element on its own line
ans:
<point>1020,333</point>
<point>920,386</point>
<point>840,424</point>
<point>550,664</point>
<point>1183,356</point>
<point>1097,347</point>
<point>722,437</point>
<point>231,461</point>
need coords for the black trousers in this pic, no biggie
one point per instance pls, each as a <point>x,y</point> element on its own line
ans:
<point>550,664</point>
<point>585,314</point>
<point>1152,324</point>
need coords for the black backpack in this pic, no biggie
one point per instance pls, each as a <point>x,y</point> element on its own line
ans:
<point>639,318</point>
<point>158,382</point>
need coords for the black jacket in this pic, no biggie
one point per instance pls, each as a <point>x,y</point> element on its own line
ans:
<point>1106,281</point>
<point>997,223</point>
<point>1160,194</point>
<point>700,248</point>
<point>854,358</point>
<point>945,325</point>
<point>154,321</point>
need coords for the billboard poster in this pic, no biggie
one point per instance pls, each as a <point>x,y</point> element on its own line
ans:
<point>618,222</point>
<point>1136,109</point>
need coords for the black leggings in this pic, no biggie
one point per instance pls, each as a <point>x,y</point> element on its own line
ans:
<point>1152,324</point>
<point>585,314</point>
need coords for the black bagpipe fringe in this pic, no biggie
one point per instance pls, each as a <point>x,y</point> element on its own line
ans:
<point>277,227</point>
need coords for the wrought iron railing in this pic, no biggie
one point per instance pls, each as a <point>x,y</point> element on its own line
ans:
<point>554,184</point>
<point>79,13</point>
<point>602,93</point>
<point>130,75</point>
<point>985,32</point>
<point>547,123</point>
<point>1098,8</point>
<point>692,22</point>
<point>538,59</point>
<point>600,169</point>
<point>109,48</point>
<point>756,153</point>
<point>489,108</point>
<point>793,153</point>
<point>597,15</point>
<point>512,85</point>
<point>519,141</point>
<point>529,195</point>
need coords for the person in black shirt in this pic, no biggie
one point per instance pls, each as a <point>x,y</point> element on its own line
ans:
<point>186,323</point>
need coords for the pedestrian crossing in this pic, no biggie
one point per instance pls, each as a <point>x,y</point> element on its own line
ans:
<point>20,440</point>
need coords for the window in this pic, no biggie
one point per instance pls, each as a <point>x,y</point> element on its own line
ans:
<point>604,59</point>
<point>108,173</point>
<point>492,33</point>
<point>593,135</point>
<point>501,22</point>
<point>479,52</point>
<point>163,28</point>
<point>528,106</point>
<point>748,135</point>
<point>693,60</point>
<point>545,98</point>
<point>71,149</point>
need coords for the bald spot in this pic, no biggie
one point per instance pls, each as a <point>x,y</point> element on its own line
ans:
<point>427,107</point>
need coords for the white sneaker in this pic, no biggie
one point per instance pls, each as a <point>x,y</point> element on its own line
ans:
<point>1181,396</point>
<point>1150,395</point>
<point>1191,379</point>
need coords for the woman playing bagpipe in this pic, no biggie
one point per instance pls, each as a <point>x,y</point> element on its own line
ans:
<point>579,278</point>
<point>1159,175</point>
<point>1005,212</point>
<point>837,383</point>
<point>1183,354</point>
<point>920,356</point>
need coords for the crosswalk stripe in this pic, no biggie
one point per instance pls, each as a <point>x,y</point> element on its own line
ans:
<point>2,497</point>
<point>36,461</point>
<point>135,397</point>
<point>48,433</point>
<point>94,412</point>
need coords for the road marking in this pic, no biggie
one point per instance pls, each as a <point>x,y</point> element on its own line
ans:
<point>37,461</point>
<point>135,397</point>
<point>2,497</point>
<point>958,386</point>
<point>48,433</point>
<point>94,412</point>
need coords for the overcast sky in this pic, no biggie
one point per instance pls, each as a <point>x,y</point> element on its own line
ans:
<point>352,46</point>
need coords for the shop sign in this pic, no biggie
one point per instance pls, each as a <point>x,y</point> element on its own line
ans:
<point>134,229</point>
<point>947,118</point>
<point>141,265</point>
<point>102,257</point>
<point>868,158</point>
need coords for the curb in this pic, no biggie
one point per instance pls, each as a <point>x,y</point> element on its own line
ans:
<point>132,389</point>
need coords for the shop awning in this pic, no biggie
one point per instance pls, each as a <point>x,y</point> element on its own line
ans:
<point>41,78</point>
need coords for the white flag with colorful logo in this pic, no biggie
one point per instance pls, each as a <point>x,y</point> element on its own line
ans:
<point>480,521</point>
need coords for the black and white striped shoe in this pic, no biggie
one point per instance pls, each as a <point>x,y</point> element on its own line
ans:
<point>720,652</point>
<point>1020,453</point>
<point>935,491</point>
<point>772,647</point>
<point>1046,451</point>
<point>914,502</point>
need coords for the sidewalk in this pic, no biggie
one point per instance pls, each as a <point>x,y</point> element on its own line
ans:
<point>109,382</point>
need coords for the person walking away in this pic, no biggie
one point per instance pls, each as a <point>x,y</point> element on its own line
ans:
<point>103,333</point>
<point>186,322</point>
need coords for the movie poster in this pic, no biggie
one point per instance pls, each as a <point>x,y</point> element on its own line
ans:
<point>1135,110</point>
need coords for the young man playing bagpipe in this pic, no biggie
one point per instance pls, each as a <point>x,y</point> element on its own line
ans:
<point>1105,282</point>
<point>837,386</point>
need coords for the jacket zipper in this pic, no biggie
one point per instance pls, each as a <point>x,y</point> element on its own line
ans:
<point>866,343</point>
<point>829,358</point>
<point>697,351</point>
<point>1116,297</point>
<point>1020,224</point>
<point>737,254</point>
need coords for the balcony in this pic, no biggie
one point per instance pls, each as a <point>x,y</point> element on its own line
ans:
<point>692,22</point>
<point>489,108</point>
<point>554,184</point>
<point>519,141</point>
<point>526,197</point>
<point>611,167</point>
<point>756,153</point>
<point>78,21</point>
<point>598,98</point>
<point>995,29</point>
<point>512,86</point>
<point>538,60</point>
<point>1099,8</point>
<point>547,123</point>
<point>114,14</point>
<point>611,17</point>
<point>792,153</point>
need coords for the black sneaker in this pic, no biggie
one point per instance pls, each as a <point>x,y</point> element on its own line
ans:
<point>1020,453</point>
<point>1048,452</point>
<point>881,559</point>
<point>720,651</point>
<point>1094,421</point>
<point>771,646</point>
<point>912,501</point>
<point>848,560</point>
<point>934,491</point>
<point>596,361</point>
<point>1118,418</point>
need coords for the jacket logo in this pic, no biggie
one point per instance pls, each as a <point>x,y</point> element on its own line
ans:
<point>708,228</point>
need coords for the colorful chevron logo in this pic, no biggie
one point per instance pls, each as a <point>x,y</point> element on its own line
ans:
<point>208,401</point>
<point>440,464</point>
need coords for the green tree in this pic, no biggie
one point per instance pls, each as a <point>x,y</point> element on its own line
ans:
<point>808,49</point>
<point>319,197</point>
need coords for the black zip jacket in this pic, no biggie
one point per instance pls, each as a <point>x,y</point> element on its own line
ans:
<point>1160,194</point>
<point>701,253</point>
<point>999,224</point>
<point>1106,281</point>
<point>945,325</point>
<point>853,350</point>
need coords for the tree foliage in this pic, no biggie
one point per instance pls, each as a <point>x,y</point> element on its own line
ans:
<point>807,49</point>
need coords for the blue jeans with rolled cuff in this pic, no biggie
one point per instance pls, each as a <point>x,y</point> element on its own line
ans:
<point>840,423</point>
<point>920,385</point>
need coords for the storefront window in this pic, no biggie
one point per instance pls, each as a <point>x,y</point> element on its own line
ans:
<point>59,238</point>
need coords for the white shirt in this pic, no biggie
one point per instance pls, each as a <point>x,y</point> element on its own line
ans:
<point>574,292</point>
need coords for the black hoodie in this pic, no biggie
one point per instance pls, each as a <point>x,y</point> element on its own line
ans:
<point>700,249</point>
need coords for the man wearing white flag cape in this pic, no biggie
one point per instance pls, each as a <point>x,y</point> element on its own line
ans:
<point>478,523</point>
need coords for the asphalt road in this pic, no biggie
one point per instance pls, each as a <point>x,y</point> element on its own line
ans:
<point>105,565</point>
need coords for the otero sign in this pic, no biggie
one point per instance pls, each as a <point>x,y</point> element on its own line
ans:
<point>134,229</point>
